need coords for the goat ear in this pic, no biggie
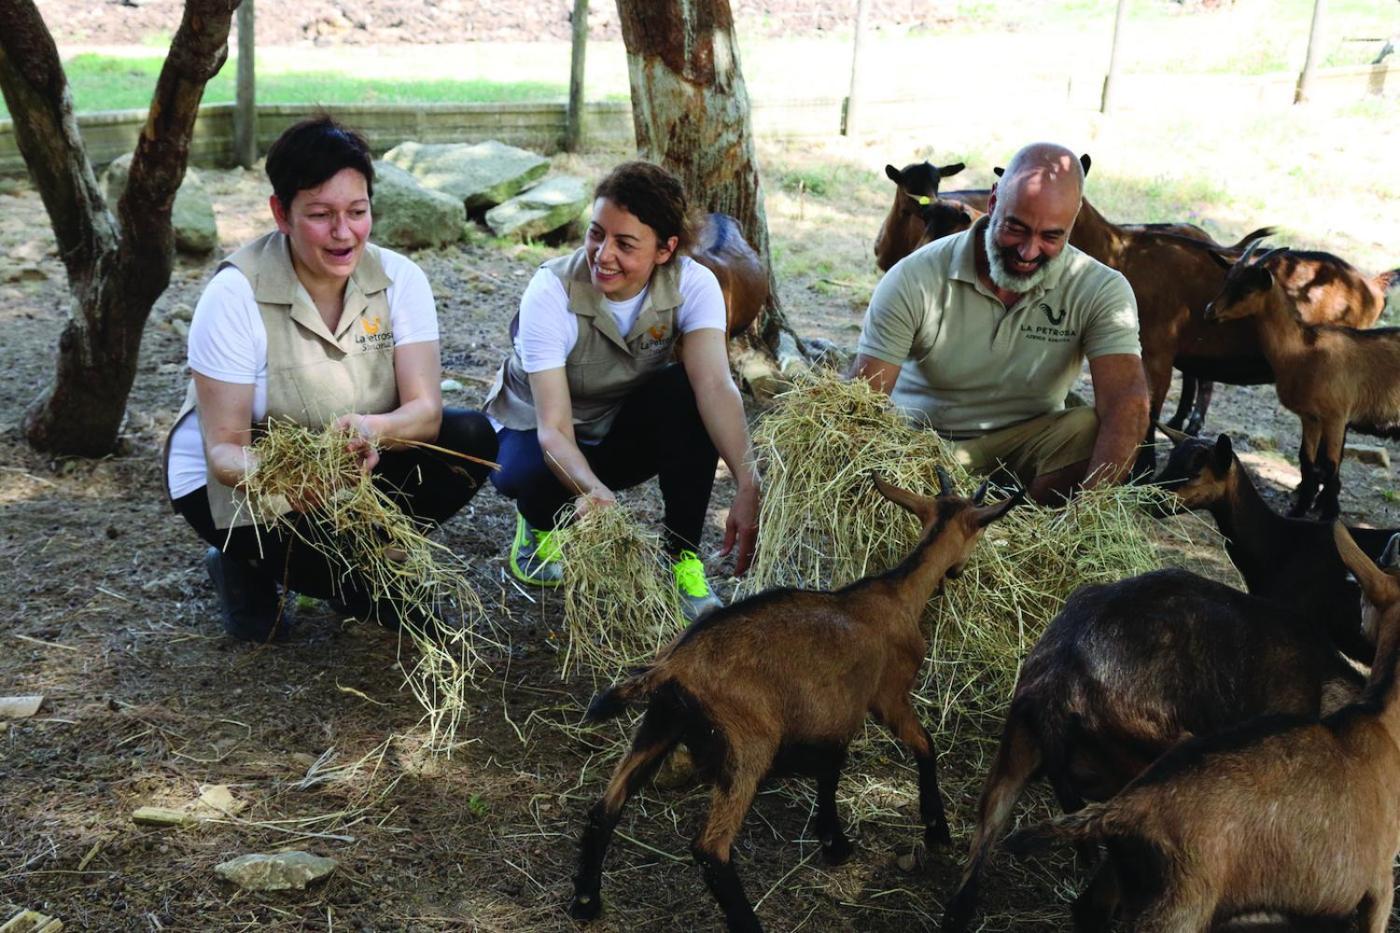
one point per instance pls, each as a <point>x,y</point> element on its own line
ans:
<point>1085,162</point>
<point>1172,434</point>
<point>893,174</point>
<point>953,169</point>
<point>988,514</point>
<point>981,494</point>
<point>945,483</point>
<point>918,505</point>
<point>998,171</point>
<point>1224,452</point>
<point>1381,588</point>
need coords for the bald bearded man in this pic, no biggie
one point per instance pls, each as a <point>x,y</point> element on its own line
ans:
<point>980,336</point>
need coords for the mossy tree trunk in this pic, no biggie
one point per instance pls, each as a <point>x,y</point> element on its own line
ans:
<point>691,112</point>
<point>117,266</point>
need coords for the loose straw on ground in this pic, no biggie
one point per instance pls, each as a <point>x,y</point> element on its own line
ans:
<point>620,605</point>
<point>363,532</point>
<point>823,525</point>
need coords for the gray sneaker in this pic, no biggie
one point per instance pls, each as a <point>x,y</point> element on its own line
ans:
<point>534,555</point>
<point>697,601</point>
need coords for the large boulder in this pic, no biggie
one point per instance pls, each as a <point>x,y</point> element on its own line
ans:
<point>480,174</point>
<point>196,230</point>
<point>408,216</point>
<point>553,203</point>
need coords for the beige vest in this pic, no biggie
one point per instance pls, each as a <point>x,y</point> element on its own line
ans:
<point>314,375</point>
<point>604,367</point>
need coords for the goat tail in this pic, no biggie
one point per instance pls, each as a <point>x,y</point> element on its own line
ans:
<point>613,701</point>
<point>1086,825</point>
<point>1388,280</point>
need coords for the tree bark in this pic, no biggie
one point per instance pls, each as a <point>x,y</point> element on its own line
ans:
<point>573,130</point>
<point>116,268</point>
<point>690,108</point>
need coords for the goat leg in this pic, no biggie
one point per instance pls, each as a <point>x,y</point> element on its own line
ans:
<point>836,848</point>
<point>1197,419</point>
<point>1095,906</point>
<point>1185,404</point>
<point>1308,450</point>
<point>904,723</point>
<point>1374,913</point>
<point>656,736</point>
<point>713,849</point>
<point>1329,470</point>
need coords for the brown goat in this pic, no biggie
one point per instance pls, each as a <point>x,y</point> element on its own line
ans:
<point>1126,670</point>
<point>1282,814</point>
<point>1332,377</point>
<point>720,247</point>
<point>782,681</point>
<point>917,215</point>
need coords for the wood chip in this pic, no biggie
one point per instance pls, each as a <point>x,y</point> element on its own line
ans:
<point>162,816</point>
<point>20,708</point>
<point>31,921</point>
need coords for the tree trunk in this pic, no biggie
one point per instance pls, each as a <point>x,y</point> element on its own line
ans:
<point>691,112</point>
<point>573,130</point>
<point>116,269</point>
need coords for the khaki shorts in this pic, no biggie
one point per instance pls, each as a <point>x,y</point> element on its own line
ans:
<point>1032,448</point>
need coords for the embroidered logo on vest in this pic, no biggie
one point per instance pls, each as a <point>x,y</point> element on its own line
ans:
<point>375,334</point>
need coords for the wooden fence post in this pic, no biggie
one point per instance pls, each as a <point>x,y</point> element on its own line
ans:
<point>1300,94</point>
<point>573,130</point>
<point>1106,101</point>
<point>245,109</point>
<point>849,121</point>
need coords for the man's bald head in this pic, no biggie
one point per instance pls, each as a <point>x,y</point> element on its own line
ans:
<point>1043,167</point>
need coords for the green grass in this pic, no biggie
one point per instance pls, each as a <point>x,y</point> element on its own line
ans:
<point>102,82</point>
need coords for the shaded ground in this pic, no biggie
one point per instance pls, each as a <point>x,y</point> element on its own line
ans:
<point>107,613</point>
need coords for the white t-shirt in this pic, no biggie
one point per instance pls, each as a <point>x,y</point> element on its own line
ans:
<point>548,329</point>
<point>229,343</point>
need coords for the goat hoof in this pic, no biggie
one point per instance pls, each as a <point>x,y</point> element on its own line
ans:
<point>837,851</point>
<point>585,907</point>
<point>938,835</point>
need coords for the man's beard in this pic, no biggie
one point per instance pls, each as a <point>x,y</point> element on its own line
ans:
<point>1003,277</point>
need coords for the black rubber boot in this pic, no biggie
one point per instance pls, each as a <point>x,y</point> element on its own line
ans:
<point>247,598</point>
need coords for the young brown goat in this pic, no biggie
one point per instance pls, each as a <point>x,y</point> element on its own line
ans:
<point>918,215</point>
<point>743,279</point>
<point>1331,377</point>
<point>781,682</point>
<point>1282,814</point>
<point>1126,670</point>
<point>1291,561</point>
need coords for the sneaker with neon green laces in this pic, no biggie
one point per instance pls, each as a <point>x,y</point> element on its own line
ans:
<point>534,555</point>
<point>696,599</point>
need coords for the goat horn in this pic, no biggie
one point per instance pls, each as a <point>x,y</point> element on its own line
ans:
<point>1270,255</point>
<point>1249,251</point>
<point>945,483</point>
<point>981,492</point>
<point>1172,434</point>
<point>1390,558</point>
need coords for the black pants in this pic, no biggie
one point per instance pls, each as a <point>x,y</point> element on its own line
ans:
<point>429,486</point>
<point>657,433</point>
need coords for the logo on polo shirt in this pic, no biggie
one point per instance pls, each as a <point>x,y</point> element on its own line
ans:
<point>1055,332</point>
<point>1054,319</point>
<point>375,334</point>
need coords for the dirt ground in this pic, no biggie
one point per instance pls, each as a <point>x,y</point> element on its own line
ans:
<point>108,614</point>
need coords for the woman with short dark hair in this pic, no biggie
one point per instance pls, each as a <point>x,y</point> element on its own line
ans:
<point>312,323</point>
<point>592,398</point>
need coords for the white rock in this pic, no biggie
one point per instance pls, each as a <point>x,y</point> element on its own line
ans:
<point>277,871</point>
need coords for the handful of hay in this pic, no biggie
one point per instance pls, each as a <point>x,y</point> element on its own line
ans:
<point>824,525</point>
<point>620,605</point>
<point>360,529</point>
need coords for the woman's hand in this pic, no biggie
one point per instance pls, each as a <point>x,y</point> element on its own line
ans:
<point>363,440</point>
<point>741,527</point>
<point>599,498</point>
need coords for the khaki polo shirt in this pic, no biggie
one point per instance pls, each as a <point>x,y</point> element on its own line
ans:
<point>969,365</point>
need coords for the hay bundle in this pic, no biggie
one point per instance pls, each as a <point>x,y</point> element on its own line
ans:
<point>361,530</point>
<point>620,604</point>
<point>824,525</point>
